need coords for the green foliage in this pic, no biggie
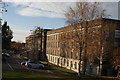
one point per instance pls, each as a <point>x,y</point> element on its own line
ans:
<point>6,36</point>
<point>43,62</point>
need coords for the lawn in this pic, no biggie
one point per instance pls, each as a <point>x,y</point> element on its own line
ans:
<point>13,75</point>
<point>51,73</point>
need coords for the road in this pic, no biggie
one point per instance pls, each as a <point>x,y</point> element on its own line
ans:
<point>13,63</point>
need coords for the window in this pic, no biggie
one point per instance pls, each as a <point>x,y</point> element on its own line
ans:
<point>58,44</point>
<point>118,26</point>
<point>64,61</point>
<point>77,55</point>
<point>67,62</point>
<point>71,64</point>
<point>71,55</point>
<point>75,65</point>
<point>117,33</point>
<point>53,59</point>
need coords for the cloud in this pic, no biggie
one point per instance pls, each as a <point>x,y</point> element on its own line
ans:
<point>111,10</point>
<point>39,13</point>
<point>43,9</point>
<point>57,9</point>
<point>19,35</point>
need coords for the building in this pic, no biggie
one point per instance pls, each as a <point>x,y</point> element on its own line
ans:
<point>29,47</point>
<point>88,43</point>
<point>36,44</point>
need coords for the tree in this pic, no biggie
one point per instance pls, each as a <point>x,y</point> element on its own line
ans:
<point>3,7</point>
<point>3,10</point>
<point>17,46</point>
<point>6,36</point>
<point>115,60</point>
<point>37,43</point>
<point>83,12</point>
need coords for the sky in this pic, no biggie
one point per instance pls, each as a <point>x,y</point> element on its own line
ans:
<point>25,16</point>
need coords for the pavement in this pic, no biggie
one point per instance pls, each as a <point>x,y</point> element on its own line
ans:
<point>13,63</point>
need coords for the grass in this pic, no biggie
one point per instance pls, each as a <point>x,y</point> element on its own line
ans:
<point>15,75</point>
<point>52,73</point>
<point>56,68</point>
<point>60,69</point>
<point>43,62</point>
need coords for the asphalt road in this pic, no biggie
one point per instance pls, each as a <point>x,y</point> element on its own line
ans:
<point>13,63</point>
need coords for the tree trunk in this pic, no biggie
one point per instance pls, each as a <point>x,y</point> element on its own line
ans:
<point>100,66</point>
<point>79,67</point>
<point>84,64</point>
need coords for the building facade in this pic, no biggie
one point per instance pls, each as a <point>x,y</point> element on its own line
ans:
<point>36,45</point>
<point>88,44</point>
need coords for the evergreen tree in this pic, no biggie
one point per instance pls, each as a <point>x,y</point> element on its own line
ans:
<point>6,36</point>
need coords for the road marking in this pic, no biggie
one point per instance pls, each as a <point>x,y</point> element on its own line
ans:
<point>10,66</point>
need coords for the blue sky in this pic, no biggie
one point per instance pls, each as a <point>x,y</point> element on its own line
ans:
<point>17,21</point>
<point>22,24</point>
<point>24,16</point>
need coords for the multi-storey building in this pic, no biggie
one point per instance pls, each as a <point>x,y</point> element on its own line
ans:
<point>88,43</point>
<point>29,46</point>
<point>36,45</point>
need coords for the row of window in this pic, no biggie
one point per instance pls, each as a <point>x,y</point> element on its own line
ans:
<point>53,37</point>
<point>72,55</point>
<point>63,44</point>
<point>64,35</point>
<point>53,44</point>
<point>63,62</point>
<point>53,52</point>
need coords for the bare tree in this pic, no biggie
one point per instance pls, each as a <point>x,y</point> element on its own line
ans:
<point>115,60</point>
<point>37,47</point>
<point>2,10</point>
<point>83,12</point>
<point>3,7</point>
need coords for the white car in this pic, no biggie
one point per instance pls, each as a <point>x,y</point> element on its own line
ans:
<point>34,65</point>
<point>23,63</point>
<point>6,54</point>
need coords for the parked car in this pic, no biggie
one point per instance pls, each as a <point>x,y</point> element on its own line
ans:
<point>34,65</point>
<point>23,63</point>
<point>6,54</point>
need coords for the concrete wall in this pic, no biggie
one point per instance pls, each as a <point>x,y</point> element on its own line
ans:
<point>73,64</point>
<point>63,62</point>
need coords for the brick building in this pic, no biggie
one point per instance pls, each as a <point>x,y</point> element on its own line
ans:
<point>99,38</point>
<point>29,46</point>
<point>36,45</point>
